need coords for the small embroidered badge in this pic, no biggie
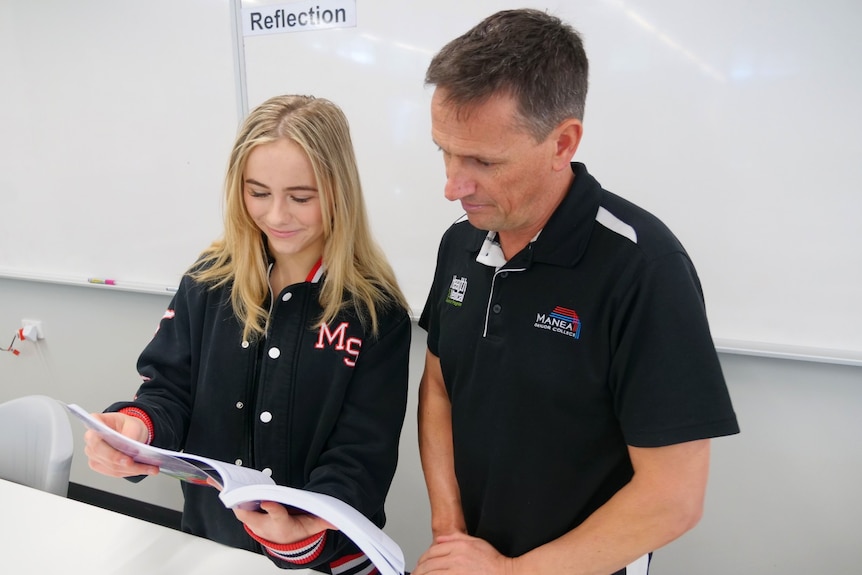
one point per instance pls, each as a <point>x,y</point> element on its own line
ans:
<point>457,290</point>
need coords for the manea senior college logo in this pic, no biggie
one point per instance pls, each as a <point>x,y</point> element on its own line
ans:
<point>561,320</point>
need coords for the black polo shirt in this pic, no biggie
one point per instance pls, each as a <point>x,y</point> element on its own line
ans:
<point>592,338</point>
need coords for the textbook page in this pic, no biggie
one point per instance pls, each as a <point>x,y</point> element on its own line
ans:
<point>183,466</point>
<point>245,488</point>
<point>379,547</point>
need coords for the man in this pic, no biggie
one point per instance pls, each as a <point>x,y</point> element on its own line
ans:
<point>571,385</point>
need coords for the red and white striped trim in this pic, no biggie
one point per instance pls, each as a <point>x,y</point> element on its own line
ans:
<point>142,415</point>
<point>358,564</point>
<point>316,272</point>
<point>299,552</point>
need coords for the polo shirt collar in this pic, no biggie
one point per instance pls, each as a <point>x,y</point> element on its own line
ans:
<point>564,238</point>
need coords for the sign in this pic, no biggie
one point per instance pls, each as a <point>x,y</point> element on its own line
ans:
<point>298,17</point>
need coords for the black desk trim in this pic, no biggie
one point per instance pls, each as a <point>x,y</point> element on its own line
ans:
<point>127,506</point>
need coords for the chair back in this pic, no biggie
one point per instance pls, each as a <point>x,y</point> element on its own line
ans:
<point>36,444</point>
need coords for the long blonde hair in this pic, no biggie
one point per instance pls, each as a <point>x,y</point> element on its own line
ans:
<point>357,272</point>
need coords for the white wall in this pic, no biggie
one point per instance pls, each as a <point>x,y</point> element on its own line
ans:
<point>784,495</point>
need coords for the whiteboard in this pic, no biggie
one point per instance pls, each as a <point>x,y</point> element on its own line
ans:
<point>116,121</point>
<point>735,122</point>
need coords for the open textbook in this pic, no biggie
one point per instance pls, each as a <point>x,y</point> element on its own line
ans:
<point>245,488</point>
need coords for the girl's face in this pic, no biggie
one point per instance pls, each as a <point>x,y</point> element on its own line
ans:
<point>281,196</point>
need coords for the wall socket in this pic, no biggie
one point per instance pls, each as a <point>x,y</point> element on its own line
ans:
<point>34,323</point>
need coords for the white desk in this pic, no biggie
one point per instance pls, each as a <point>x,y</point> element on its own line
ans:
<point>41,533</point>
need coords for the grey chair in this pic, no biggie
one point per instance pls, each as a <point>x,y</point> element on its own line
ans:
<point>36,444</point>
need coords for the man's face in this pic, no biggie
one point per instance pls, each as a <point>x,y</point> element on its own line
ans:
<point>494,167</point>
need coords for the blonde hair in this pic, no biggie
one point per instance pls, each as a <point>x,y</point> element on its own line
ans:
<point>357,272</point>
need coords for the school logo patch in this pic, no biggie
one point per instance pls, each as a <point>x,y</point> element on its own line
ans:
<point>457,291</point>
<point>338,340</point>
<point>561,320</point>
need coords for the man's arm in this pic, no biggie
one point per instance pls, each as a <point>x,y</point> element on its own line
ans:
<point>436,451</point>
<point>663,500</point>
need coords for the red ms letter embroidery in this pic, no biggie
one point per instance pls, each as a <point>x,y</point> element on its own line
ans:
<point>341,343</point>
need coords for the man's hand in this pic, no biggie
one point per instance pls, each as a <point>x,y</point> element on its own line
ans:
<point>461,554</point>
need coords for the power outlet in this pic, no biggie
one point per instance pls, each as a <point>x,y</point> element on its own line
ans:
<point>34,323</point>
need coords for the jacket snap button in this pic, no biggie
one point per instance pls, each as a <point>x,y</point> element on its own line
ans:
<point>286,296</point>
<point>274,352</point>
<point>266,417</point>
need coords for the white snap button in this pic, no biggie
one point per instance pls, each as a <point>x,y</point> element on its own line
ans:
<point>238,462</point>
<point>266,471</point>
<point>239,405</point>
<point>245,344</point>
<point>274,352</point>
<point>286,296</point>
<point>266,417</point>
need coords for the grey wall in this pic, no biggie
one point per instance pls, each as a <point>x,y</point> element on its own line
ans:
<point>783,498</point>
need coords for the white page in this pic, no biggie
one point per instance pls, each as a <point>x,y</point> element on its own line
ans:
<point>379,547</point>
<point>184,466</point>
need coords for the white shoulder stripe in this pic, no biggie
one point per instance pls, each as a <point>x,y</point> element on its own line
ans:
<point>615,224</point>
